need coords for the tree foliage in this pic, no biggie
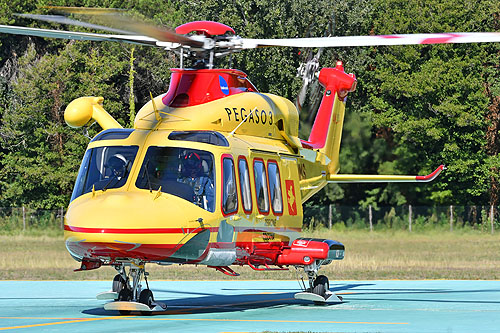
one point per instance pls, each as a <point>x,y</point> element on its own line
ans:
<point>415,107</point>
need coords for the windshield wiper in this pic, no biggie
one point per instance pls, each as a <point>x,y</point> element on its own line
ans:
<point>109,182</point>
<point>146,173</point>
<point>115,176</point>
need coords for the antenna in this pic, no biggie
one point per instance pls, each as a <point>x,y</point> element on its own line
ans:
<point>241,123</point>
<point>157,113</point>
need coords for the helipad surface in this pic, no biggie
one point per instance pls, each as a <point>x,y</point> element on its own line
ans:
<point>257,306</point>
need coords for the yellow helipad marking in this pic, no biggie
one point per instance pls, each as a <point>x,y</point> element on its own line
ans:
<point>269,321</point>
<point>80,320</point>
<point>55,318</point>
<point>346,293</point>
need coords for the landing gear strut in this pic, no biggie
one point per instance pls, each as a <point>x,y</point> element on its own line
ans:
<point>319,286</point>
<point>128,293</point>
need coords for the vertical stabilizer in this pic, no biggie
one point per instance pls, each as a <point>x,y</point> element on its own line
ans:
<point>326,132</point>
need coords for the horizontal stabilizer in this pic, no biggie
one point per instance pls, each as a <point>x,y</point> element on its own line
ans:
<point>384,178</point>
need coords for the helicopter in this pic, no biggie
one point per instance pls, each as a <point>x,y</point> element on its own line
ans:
<point>213,172</point>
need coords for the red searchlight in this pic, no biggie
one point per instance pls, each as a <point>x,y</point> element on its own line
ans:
<point>303,252</point>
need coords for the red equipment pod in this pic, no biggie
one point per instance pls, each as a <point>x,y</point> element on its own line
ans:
<point>303,252</point>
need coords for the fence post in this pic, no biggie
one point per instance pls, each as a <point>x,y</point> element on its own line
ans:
<point>62,218</point>
<point>451,217</point>
<point>330,216</point>
<point>370,217</point>
<point>24,218</point>
<point>492,220</point>
<point>409,216</point>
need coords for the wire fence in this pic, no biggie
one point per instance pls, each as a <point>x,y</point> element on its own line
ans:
<point>407,217</point>
<point>24,218</point>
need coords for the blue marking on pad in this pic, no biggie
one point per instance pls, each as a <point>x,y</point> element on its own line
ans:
<point>215,306</point>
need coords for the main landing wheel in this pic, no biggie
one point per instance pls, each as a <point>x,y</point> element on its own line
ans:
<point>125,295</point>
<point>118,283</point>
<point>321,285</point>
<point>146,297</point>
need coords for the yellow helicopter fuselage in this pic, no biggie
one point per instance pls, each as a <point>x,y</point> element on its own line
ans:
<point>258,172</point>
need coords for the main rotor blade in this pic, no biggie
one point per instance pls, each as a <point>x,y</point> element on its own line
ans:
<point>346,41</point>
<point>119,20</point>
<point>66,20</point>
<point>84,10</point>
<point>131,39</point>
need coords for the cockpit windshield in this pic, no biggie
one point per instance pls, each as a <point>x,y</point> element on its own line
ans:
<point>185,173</point>
<point>104,168</point>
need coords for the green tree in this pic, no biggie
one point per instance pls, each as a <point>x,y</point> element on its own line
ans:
<point>42,152</point>
<point>433,98</point>
<point>415,106</point>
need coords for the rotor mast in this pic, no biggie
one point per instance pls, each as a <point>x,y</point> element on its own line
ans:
<point>212,31</point>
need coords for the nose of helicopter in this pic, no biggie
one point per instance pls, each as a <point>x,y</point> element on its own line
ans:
<point>121,225</point>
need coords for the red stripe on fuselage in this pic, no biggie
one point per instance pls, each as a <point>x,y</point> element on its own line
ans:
<point>136,231</point>
<point>171,230</point>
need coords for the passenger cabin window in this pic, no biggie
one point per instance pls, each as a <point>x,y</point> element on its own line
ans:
<point>185,173</point>
<point>104,168</point>
<point>275,187</point>
<point>229,193</point>
<point>246,193</point>
<point>261,186</point>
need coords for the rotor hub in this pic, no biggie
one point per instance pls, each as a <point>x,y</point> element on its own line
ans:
<point>207,28</point>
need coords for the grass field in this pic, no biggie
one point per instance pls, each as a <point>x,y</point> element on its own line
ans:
<point>376,255</point>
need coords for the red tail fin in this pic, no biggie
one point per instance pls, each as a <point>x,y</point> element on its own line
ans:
<point>327,129</point>
<point>336,82</point>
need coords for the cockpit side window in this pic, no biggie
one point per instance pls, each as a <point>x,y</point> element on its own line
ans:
<point>229,191</point>
<point>185,173</point>
<point>104,168</point>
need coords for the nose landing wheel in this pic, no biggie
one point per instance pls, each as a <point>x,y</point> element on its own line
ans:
<point>129,295</point>
<point>319,287</point>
